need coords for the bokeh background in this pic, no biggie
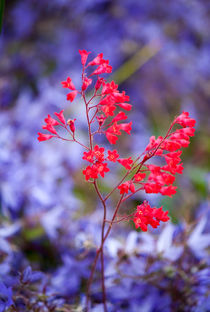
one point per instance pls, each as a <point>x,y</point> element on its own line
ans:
<point>50,218</point>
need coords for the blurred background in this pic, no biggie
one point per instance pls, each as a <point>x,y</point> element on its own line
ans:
<point>50,218</point>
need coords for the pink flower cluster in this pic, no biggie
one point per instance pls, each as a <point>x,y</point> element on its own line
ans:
<point>105,112</point>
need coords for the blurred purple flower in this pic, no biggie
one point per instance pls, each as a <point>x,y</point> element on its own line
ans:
<point>5,297</point>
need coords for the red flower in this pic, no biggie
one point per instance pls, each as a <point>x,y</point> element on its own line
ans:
<point>184,120</point>
<point>44,137</point>
<point>108,110</point>
<point>89,156</point>
<point>101,168</point>
<point>90,173</point>
<point>152,188</point>
<point>99,83</point>
<point>168,190</point>
<point>71,122</point>
<point>113,155</point>
<point>109,87</point>
<point>160,215</point>
<point>107,100</point>
<point>170,146</point>
<point>71,96</point>
<point>102,69</point>
<point>51,121</point>
<point>111,138</point>
<point>97,60</point>
<point>120,116</point>
<point>139,177</point>
<point>50,128</point>
<point>168,178</point>
<point>68,84</point>
<point>101,119</point>
<point>187,131</point>
<point>120,97</point>
<point>98,152</point>
<point>125,187</point>
<point>126,162</point>
<point>126,106</point>
<point>173,159</point>
<point>60,116</point>
<point>146,215</point>
<point>174,168</point>
<point>86,83</point>
<point>115,129</point>
<point>84,55</point>
<point>126,127</point>
<point>132,187</point>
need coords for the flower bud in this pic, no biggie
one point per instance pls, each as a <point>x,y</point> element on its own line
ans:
<point>70,122</point>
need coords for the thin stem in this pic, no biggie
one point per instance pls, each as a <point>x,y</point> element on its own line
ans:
<point>102,247</point>
<point>87,115</point>
<point>128,196</point>
<point>91,279</point>
<point>99,251</point>
<point>127,173</point>
<point>157,147</point>
<point>73,137</point>
<point>58,136</point>
<point>94,115</point>
<point>81,144</point>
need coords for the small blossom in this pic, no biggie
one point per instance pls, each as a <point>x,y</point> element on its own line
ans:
<point>71,122</point>
<point>50,128</point>
<point>125,106</point>
<point>146,215</point>
<point>98,153</point>
<point>152,188</point>
<point>89,156</point>
<point>44,137</point>
<point>109,87</point>
<point>101,168</point>
<point>139,177</point>
<point>111,138</point>
<point>101,119</point>
<point>51,121</point>
<point>126,127</point>
<point>71,96</point>
<point>99,83</point>
<point>168,190</point>
<point>115,129</point>
<point>120,97</point>
<point>84,55</point>
<point>102,69</point>
<point>68,84</point>
<point>97,60</point>
<point>109,110</point>
<point>184,120</point>
<point>126,162</point>
<point>124,187</point>
<point>90,172</point>
<point>120,116</point>
<point>113,155</point>
<point>86,83</point>
<point>61,116</point>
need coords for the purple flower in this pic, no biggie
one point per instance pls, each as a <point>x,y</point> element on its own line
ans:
<point>5,297</point>
<point>28,276</point>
